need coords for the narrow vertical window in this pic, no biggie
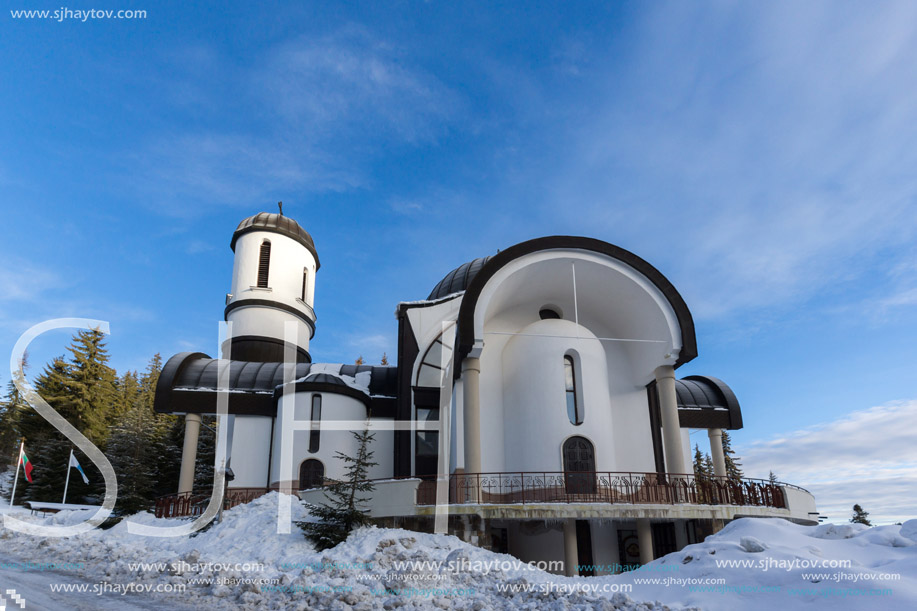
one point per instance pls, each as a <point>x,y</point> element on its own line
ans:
<point>316,423</point>
<point>264,264</point>
<point>574,411</point>
<point>305,283</point>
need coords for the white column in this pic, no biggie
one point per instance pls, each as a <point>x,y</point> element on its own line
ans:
<point>671,429</point>
<point>571,553</point>
<point>716,452</point>
<point>189,453</point>
<point>645,539</point>
<point>471,395</point>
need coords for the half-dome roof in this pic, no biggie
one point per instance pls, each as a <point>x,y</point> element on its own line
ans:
<point>277,223</point>
<point>458,279</point>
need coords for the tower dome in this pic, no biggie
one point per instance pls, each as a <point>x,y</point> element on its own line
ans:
<point>276,223</point>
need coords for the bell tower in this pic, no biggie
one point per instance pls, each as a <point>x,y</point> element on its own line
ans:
<point>273,281</point>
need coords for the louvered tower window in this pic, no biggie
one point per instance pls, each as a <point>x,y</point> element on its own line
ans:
<point>264,264</point>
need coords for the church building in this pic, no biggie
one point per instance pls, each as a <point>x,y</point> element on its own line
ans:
<point>535,405</point>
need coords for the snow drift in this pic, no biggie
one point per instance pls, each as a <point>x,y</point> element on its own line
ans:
<point>243,563</point>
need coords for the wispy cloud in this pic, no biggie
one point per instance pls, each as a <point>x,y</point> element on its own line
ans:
<point>867,457</point>
<point>322,108</point>
<point>770,147</point>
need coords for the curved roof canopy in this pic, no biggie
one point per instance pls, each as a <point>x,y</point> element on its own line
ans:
<point>276,223</point>
<point>474,275</point>
<point>189,384</point>
<point>705,402</point>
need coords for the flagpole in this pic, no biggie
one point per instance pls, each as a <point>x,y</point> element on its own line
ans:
<point>67,481</point>
<point>16,479</point>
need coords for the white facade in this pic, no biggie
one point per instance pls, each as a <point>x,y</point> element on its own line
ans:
<point>549,369</point>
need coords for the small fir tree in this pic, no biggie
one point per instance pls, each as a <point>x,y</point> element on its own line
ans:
<point>772,477</point>
<point>384,361</point>
<point>733,464</point>
<point>860,516</point>
<point>344,510</point>
<point>359,360</point>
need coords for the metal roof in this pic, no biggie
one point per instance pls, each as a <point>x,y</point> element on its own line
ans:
<point>458,279</point>
<point>277,223</point>
<point>707,402</point>
<point>189,383</point>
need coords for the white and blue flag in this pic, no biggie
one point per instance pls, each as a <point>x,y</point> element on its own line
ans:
<point>75,463</point>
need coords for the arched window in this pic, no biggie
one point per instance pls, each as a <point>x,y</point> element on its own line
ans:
<point>311,474</point>
<point>305,283</point>
<point>315,432</point>
<point>574,403</point>
<point>579,466</point>
<point>264,264</point>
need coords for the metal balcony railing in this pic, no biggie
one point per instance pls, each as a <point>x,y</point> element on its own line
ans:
<point>604,487</point>
<point>194,503</point>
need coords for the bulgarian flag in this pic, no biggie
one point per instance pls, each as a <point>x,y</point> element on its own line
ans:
<point>26,466</point>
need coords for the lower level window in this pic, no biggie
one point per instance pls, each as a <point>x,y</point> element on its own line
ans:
<point>311,474</point>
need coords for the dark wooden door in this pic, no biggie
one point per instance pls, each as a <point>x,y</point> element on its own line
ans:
<point>579,466</point>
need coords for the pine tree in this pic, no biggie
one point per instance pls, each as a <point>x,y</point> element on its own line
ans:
<point>51,385</point>
<point>359,360</point>
<point>860,516</point>
<point>11,412</point>
<point>92,385</point>
<point>344,510</point>
<point>772,477</point>
<point>700,469</point>
<point>703,471</point>
<point>206,454</point>
<point>384,361</point>
<point>139,442</point>
<point>708,465</point>
<point>733,466</point>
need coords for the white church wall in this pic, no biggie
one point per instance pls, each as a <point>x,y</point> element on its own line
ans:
<point>536,421</point>
<point>334,408</point>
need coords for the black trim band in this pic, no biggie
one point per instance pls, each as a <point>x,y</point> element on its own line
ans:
<point>267,303</point>
<point>260,349</point>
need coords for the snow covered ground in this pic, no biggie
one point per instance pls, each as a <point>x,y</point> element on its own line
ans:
<point>243,563</point>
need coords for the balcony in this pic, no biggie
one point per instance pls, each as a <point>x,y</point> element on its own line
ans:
<point>554,493</point>
<point>605,487</point>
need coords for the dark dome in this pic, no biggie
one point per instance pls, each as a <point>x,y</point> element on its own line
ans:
<point>458,279</point>
<point>325,378</point>
<point>277,223</point>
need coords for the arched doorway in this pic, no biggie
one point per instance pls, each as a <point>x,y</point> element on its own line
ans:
<point>579,466</point>
<point>311,474</point>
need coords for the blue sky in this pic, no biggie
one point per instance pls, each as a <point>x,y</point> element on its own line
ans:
<point>762,157</point>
